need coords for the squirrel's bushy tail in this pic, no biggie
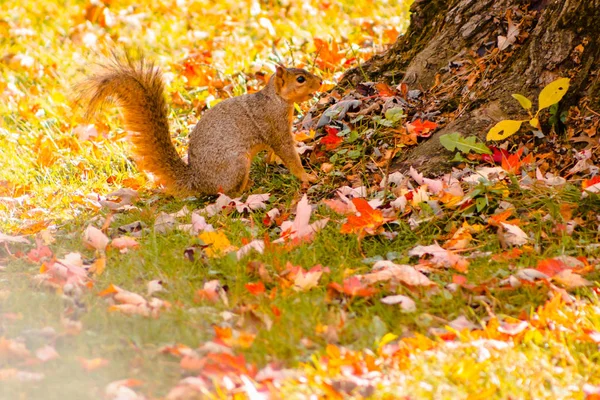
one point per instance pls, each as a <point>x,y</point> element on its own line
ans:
<point>138,88</point>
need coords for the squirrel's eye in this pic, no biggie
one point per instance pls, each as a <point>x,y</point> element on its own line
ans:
<point>300,79</point>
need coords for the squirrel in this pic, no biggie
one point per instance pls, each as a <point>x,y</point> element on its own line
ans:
<point>223,142</point>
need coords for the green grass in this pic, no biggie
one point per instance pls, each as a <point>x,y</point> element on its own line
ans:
<point>55,178</point>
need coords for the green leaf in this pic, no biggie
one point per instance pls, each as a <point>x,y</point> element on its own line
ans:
<point>454,141</point>
<point>523,101</point>
<point>458,158</point>
<point>553,92</point>
<point>504,129</point>
<point>394,114</point>
<point>481,203</point>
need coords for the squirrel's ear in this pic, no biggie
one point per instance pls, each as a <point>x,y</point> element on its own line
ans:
<point>280,71</point>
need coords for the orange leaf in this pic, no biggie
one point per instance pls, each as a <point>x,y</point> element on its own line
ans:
<point>255,288</point>
<point>590,182</point>
<point>191,364</point>
<point>108,291</point>
<point>92,364</point>
<point>551,266</point>
<point>421,128</point>
<point>384,90</point>
<point>513,162</point>
<point>353,287</point>
<point>495,219</point>
<point>367,222</point>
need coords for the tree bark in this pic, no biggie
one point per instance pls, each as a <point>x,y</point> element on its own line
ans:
<point>451,51</point>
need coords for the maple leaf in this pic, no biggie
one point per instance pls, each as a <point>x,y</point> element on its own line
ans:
<point>255,288</point>
<point>570,279</point>
<point>253,202</point>
<point>386,270</point>
<point>46,353</point>
<point>423,129</point>
<point>94,238</point>
<point>257,245</point>
<point>124,243</point>
<point>40,253</point>
<point>406,303</point>
<point>329,54</point>
<point>331,140</point>
<point>367,222</point>
<point>513,162</point>
<point>300,229</point>
<point>441,256</point>
<point>66,270</point>
<point>217,243</point>
<point>353,287</point>
<point>306,280</point>
<point>212,291</point>
<point>513,235</point>
<point>92,364</point>
<point>121,390</point>
<point>384,90</point>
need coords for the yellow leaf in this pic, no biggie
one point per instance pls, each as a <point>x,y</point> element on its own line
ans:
<point>553,92</point>
<point>304,136</point>
<point>503,129</point>
<point>535,123</point>
<point>98,266</point>
<point>387,338</point>
<point>523,101</point>
<point>217,242</point>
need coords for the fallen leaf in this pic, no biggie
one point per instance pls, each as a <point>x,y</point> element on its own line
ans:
<point>385,270</point>
<point>353,287</point>
<point>94,238</point>
<point>123,243</point>
<point>406,303</point>
<point>570,280</point>
<point>306,280</point>
<point>513,235</point>
<point>155,286</point>
<point>441,256</point>
<point>300,228</point>
<point>46,353</point>
<point>255,288</point>
<point>92,364</point>
<point>217,242</point>
<point>368,220</point>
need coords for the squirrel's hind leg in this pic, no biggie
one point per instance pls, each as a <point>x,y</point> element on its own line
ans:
<point>240,179</point>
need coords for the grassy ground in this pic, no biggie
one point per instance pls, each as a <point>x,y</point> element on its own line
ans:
<point>316,341</point>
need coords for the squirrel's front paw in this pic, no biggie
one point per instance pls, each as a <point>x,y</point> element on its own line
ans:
<point>312,178</point>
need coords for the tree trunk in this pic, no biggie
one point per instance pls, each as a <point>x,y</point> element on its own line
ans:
<point>452,52</point>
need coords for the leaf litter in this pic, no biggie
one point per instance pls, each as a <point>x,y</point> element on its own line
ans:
<point>483,204</point>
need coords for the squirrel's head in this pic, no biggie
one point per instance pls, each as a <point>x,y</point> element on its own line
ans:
<point>294,84</point>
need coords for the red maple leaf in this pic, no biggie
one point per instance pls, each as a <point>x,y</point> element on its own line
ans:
<point>590,182</point>
<point>255,288</point>
<point>332,140</point>
<point>551,266</point>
